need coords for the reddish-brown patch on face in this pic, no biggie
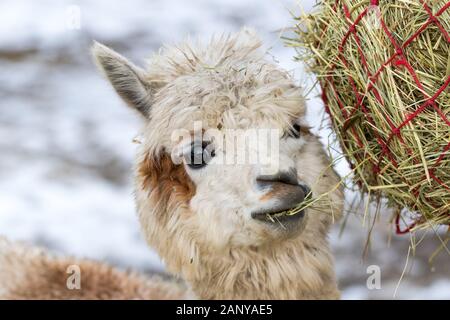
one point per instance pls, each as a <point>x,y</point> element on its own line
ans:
<point>278,191</point>
<point>169,184</point>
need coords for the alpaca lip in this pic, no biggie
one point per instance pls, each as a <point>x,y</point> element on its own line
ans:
<point>277,215</point>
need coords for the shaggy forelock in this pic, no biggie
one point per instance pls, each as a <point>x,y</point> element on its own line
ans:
<point>227,83</point>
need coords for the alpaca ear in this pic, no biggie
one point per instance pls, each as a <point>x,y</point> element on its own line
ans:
<point>127,79</point>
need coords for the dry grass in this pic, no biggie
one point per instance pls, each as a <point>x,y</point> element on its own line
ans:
<point>405,173</point>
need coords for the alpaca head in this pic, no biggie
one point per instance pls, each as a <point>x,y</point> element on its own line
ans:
<point>204,107</point>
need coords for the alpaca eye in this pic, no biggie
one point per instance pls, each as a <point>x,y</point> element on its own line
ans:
<point>200,155</point>
<point>294,132</point>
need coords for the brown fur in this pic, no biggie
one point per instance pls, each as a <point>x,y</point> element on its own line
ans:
<point>30,273</point>
<point>168,182</point>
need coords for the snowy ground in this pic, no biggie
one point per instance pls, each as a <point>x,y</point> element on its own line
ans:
<point>65,138</point>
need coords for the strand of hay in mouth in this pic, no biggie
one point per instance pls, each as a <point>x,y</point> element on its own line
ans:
<point>321,203</point>
<point>384,70</point>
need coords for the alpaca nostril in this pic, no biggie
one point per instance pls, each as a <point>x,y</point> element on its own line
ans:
<point>287,177</point>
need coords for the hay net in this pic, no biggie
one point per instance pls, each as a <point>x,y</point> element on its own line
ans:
<point>384,69</point>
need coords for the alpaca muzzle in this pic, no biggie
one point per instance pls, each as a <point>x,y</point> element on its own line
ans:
<point>286,192</point>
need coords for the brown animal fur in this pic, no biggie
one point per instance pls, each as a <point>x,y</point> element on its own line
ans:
<point>32,273</point>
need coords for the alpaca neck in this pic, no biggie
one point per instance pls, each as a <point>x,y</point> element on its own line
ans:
<point>293,269</point>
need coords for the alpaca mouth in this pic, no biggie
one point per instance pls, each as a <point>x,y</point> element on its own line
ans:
<point>278,215</point>
<point>289,209</point>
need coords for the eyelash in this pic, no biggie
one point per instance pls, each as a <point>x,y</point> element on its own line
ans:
<point>294,131</point>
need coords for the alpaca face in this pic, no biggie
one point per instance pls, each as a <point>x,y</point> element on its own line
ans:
<point>237,198</point>
<point>198,187</point>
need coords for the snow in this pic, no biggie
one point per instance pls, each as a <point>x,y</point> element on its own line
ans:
<point>66,139</point>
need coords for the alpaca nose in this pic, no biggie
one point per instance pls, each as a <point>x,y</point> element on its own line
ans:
<point>285,187</point>
<point>286,177</point>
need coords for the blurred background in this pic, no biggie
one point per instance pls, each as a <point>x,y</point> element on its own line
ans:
<point>66,146</point>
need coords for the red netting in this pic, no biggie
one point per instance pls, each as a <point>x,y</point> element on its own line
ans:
<point>398,60</point>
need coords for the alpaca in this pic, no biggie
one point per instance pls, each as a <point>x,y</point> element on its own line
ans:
<point>212,223</point>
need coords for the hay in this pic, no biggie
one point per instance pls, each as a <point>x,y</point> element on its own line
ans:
<point>385,84</point>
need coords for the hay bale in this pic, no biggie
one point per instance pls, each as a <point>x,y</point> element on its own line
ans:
<point>384,70</point>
